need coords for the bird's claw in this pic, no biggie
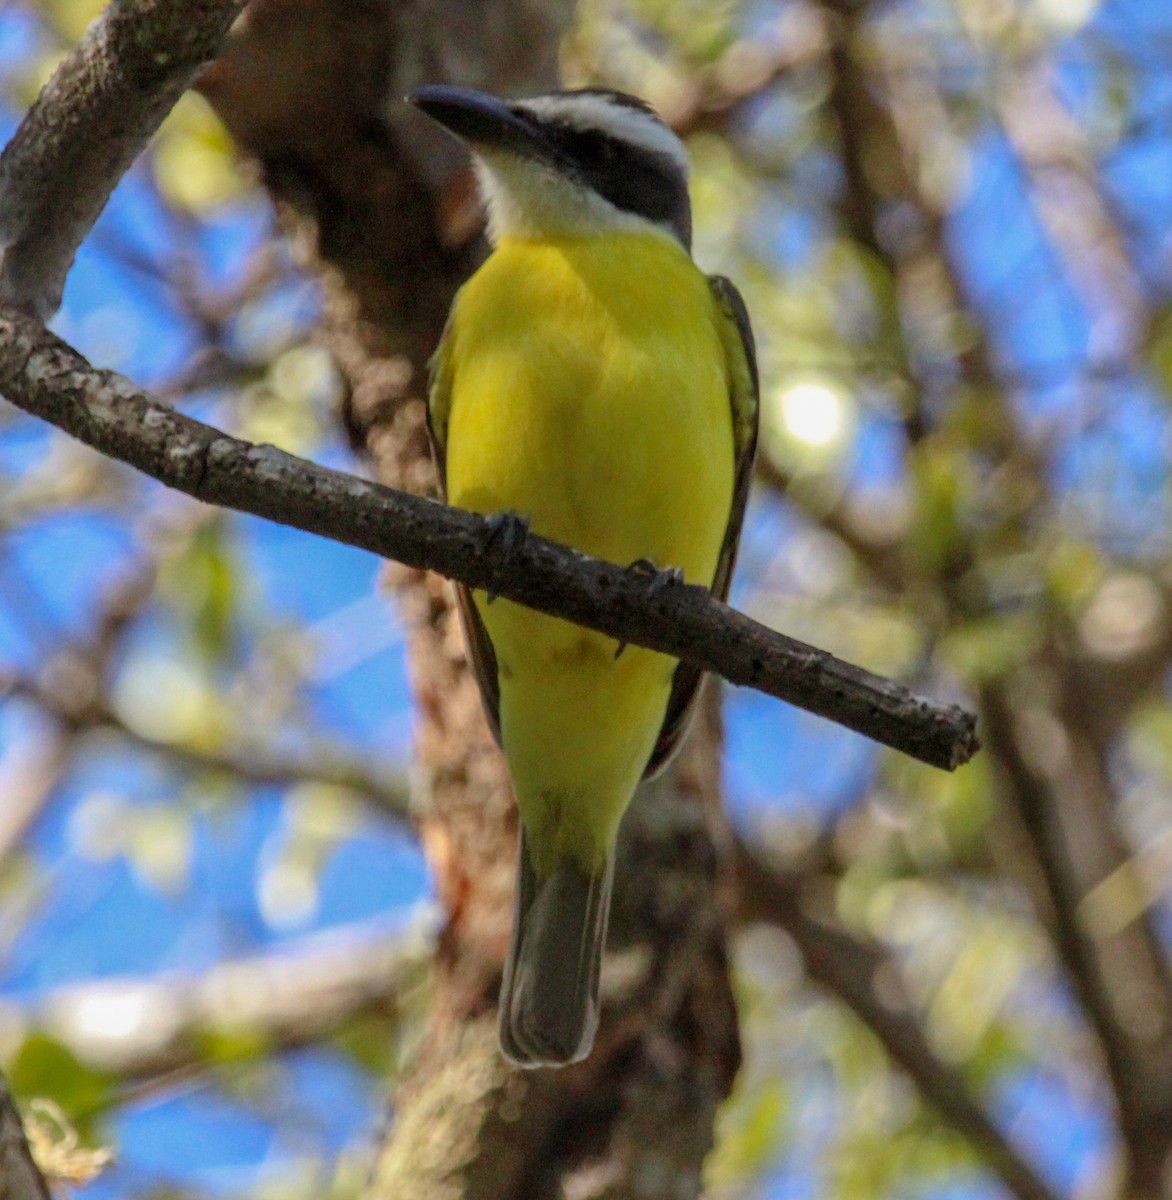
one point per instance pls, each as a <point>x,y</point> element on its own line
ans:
<point>669,577</point>
<point>505,534</point>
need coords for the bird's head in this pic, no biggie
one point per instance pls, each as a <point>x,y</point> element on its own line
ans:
<point>571,163</point>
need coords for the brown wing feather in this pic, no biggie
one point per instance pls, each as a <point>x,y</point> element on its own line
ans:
<point>477,645</point>
<point>744,391</point>
<point>481,658</point>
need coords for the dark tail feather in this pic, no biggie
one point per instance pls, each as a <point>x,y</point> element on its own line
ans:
<point>549,997</point>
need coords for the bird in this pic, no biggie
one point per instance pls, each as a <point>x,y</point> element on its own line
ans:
<point>592,385</point>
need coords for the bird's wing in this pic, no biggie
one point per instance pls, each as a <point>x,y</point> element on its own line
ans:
<point>481,656</point>
<point>736,335</point>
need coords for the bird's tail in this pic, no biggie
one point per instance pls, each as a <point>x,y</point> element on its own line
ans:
<point>549,996</point>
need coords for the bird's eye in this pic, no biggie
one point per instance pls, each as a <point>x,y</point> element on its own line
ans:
<point>594,150</point>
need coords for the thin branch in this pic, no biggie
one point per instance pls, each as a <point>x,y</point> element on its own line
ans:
<point>1120,976</point>
<point>71,690</point>
<point>1074,208</point>
<point>29,777</point>
<point>44,376</point>
<point>880,553</point>
<point>93,118</point>
<point>850,969</point>
<point>143,1027</point>
<point>314,761</point>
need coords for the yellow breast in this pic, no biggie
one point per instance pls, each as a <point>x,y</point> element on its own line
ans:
<point>589,393</point>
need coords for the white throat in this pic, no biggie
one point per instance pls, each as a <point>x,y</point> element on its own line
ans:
<point>532,200</point>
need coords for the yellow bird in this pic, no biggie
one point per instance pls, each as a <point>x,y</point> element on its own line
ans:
<point>594,382</point>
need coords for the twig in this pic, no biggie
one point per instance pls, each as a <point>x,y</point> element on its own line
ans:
<point>316,762</point>
<point>44,376</point>
<point>88,125</point>
<point>34,772</point>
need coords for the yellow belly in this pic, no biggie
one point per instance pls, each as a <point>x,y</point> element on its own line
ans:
<point>590,394</point>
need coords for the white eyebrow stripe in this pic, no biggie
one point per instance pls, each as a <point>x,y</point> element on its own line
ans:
<point>587,111</point>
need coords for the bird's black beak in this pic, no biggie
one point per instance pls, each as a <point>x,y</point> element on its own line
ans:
<point>483,121</point>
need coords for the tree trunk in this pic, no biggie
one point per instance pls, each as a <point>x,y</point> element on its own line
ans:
<point>384,209</point>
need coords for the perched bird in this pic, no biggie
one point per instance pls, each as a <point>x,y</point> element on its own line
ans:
<point>593,382</point>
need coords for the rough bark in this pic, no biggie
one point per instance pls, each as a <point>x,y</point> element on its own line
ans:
<point>91,121</point>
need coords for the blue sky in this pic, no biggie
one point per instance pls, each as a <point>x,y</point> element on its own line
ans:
<point>104,917</point>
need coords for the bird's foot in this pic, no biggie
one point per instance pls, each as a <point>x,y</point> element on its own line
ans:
<point>505,535</point>
<point>668,577</point>
<point>660,579</point>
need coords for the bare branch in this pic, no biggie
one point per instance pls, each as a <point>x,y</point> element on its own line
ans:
<point>44,376</point>
<point>90,122</point>
<point>1074,209</point>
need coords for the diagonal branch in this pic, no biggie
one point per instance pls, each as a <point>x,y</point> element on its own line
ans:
<point>89,124</point>
<point>36,770</point>
<point>385,790</point>
<point>850,968</point>
<point>44,376</point>
<point>1119,973</point>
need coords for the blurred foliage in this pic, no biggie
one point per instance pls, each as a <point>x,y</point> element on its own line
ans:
<point>194,162</point>
<point>46,1069</point>
<point>965,431</point>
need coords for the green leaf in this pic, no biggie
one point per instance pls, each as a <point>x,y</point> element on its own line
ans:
<point>46,1068</point>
